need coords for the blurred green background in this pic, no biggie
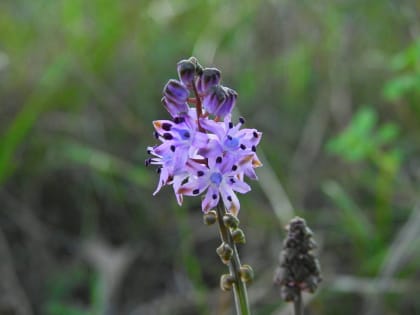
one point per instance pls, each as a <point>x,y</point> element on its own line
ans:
<point>333,85</point>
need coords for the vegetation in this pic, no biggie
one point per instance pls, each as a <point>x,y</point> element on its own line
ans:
<point>333,85</point>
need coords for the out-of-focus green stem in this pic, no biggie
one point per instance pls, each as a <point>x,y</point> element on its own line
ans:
<point>298,305</point>
<point>239,288</point>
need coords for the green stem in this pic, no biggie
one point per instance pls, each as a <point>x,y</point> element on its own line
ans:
<point>239,287</point>
<point>298,306</point>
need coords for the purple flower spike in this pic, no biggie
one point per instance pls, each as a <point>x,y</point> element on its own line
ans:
<point>220,100</point>
<point>197,153</point>
<point>209,78</point>
<point>186,72</point>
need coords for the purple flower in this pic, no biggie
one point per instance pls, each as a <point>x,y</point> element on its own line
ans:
<point>199,155</point>
<point>220,178</point>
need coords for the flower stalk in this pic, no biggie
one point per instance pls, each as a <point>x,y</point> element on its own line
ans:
<point>239,287</point>
<point>201,151</point>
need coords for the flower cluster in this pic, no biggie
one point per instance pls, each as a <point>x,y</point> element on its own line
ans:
<point>201,149</point>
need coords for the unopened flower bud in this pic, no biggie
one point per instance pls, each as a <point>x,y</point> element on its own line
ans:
<point>246,273</point>
<point>238,236</point>
<point>210,217</point>
<point>226,282</point>
<point>230,221</point>
<point>175,109</point>
<point>176,92</point>
<point>186,71</point>
<point>225,252</point>
<point>208,78</point>
<point>220,100</point>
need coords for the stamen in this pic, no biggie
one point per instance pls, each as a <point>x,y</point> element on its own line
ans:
<point>219,159</point>
<point>254,148</point>
<point>200,173</point>
<point>255,134</point>
<point>214,196</point>
<point>179,120</point>
<point>243,146</point>
<point>234,167</point>
<point>166,126</point>
<point>172,148</point>
<point>242,120</point>
<point>196,191</point>
<point>230,125</point>
<point>232,181</point>
<point>229,198</point>
<point>167,136</point>
<point>156,134</point>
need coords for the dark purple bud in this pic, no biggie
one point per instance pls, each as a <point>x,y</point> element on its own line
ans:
<point>209,78</point>
<point>220,100</point>
<point>186,72</point>
<point>176,92</point>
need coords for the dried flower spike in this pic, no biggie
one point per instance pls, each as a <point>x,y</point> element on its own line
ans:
<point>299,269</point>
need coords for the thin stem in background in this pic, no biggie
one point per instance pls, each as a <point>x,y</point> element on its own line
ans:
<point>298,305</point>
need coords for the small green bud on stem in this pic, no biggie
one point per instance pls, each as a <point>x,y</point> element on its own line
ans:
<point>210,217</point>
<point>226,282</point>
<point>238,236</point>
<point>246,273</point>
<point>230,221</point>
<point>225,252</point>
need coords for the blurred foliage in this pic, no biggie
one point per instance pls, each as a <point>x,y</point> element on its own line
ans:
<point>81,82</point>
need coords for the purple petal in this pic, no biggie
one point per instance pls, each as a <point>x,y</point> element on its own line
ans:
<point>230,200</point>
<point>175,109</point>
<point>216,128</point>
<point>211,200</point>
<point>241,187</point>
